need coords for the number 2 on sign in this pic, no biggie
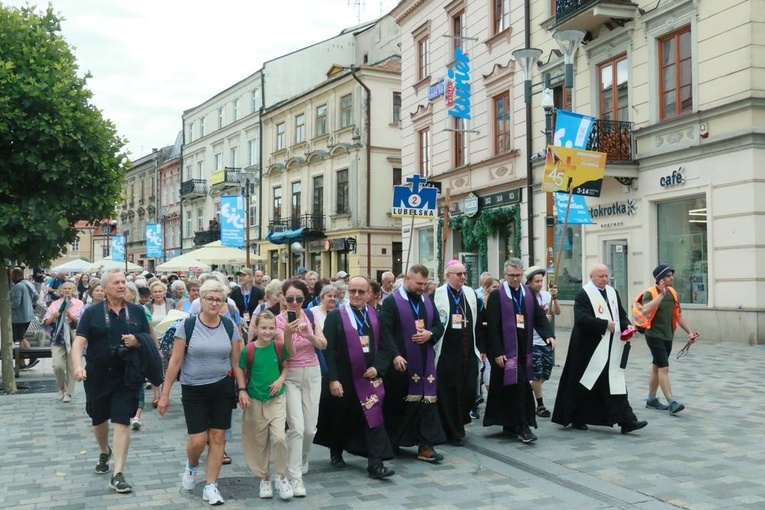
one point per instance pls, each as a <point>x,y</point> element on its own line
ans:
<point>556,176</point>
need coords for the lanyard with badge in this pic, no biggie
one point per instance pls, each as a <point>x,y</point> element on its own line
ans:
<point>418,323</point>
<point>458,319</point>
<point>364,339</point>
<point>518,302</point>
<point>246,299</point>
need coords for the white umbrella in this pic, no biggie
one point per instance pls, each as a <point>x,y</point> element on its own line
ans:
<point>73,266</point>
<point>108,263</point>
<point>216,253</point>
<point>183,263</point>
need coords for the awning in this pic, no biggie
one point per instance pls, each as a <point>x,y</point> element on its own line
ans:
<point>285,236</point>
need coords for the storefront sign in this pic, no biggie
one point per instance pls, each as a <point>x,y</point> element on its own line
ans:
<point>436,88</point>
<point>471,205</point>
<point>582,170</point>
<point>674,179</point>
<point>615,209</point>
<point>315,246</point>
<point>458,92</point>
<point>454,209</point>
<point>336,244</point>
<point>512,196</point>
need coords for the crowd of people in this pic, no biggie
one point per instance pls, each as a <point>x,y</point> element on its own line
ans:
<point>357,366</point>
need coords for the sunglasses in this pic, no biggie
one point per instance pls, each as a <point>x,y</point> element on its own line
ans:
<point>293,299</point>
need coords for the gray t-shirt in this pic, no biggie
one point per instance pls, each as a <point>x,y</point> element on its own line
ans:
<point>208,357</point>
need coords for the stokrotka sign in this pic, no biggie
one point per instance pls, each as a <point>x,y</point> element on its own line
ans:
<point>615,209</point>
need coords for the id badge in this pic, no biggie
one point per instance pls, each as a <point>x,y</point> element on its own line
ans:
<point>519,321</point>
<point>419,324</point>
<point>364,343</point>
<point>457,321</point>
<point>246,317</point>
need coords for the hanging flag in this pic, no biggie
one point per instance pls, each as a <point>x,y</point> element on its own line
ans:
<point>580,170</point>
<point>118,249</point>
<point>154,240</point>
<point>232,221</point>
<point>572,130</point>
<point>578,214</point>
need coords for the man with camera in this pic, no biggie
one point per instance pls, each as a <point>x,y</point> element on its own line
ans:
<point>116,334</point>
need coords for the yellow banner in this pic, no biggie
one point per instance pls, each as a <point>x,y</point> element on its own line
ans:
<point>580,169</point>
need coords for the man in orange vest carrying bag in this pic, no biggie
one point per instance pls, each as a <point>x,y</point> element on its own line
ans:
<point>657,316</point>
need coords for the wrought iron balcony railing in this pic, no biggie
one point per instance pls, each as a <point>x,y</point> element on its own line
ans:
<point>311,222</point>
<point>206,236</point>
<point>194,187</point>
<point>612,137</point>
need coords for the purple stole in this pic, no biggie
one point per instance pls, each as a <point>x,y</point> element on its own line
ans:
<point>510,334</point>
<point>421,372</point>
<point>371,392</point>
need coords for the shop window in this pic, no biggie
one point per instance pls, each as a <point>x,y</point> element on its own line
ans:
<point>571,274</point>
<point>426,249</point>
<point>682,237</point>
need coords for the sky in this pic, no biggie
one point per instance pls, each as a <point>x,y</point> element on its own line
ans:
<point>152,59</point>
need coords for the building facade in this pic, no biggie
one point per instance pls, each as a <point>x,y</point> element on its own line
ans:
<point>169,182</point>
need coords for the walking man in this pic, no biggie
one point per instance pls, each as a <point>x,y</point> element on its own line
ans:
<point>23,298</point>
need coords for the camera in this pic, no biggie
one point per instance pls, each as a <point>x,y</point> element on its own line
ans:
<point>120,351</point>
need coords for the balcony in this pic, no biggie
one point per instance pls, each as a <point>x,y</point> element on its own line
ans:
<point>224,178</point>
<point>588,15</point>
<point>305,227</point>
<point>612,137</point>
<point>193,188</point>
<point>206,237</point>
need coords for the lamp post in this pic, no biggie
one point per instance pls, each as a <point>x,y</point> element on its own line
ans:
<point>245,180</point>
<point>548,105</point>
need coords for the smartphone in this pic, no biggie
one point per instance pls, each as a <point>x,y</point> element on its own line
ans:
<point>291,316</point>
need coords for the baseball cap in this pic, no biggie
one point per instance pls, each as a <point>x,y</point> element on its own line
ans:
<point>245,270</point>
<point>302,270</point>
<point>661,271</point>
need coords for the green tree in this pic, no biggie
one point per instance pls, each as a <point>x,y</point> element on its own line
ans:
<point>60,160</point>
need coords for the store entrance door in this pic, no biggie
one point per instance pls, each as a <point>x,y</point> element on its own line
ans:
<point>616,260</point>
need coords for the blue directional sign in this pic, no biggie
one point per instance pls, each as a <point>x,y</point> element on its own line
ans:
<point>415,199</point>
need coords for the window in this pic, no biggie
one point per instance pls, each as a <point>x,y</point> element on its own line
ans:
<point>423,58</point>
<point>236,109</point>
<point>342,192</point>
<point>458,31</point>
<point>502,136</point>
<point>202,126</point>
<point>397,257</point>
<point>501,15</point>
<point>614,98</point>
<point>570,279</point>
<point>217,161</point>
<point>396,178</point>
<point>397,107</point>
<point>682,236</point>
<point>200,219</point>
<point>318,195</point>
<point>277,203</point>
<point>188,224</point>
<point>321,120</point>
<point>423,145</point>
<point>281,142</point>
<point>346,111</point>
<point>255,101</point>
<point>253,152</point>
<point>221,117</point>
<point>191,132</point>
<point>675,75</point>
<point>234,157</point>
<point>300,128</point>
<point>460,142</point>
<point>426,248</point>
<point>200,169</point>
<point>76,244</point>
<point>189,172</point>
<point>297,188</point>
<point>253,215</point>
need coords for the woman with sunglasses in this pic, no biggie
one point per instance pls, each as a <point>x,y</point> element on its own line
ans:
<point>303,383</point>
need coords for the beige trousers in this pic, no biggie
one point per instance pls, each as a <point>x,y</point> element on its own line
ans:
<point>303,390</point>
<point>62,369</point>
<point>263,421</point>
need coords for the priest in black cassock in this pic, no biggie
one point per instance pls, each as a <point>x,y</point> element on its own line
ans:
<point>457,358</point>
<point>592,388</point>
<point>350,410</point>
<point>513,313</point>
<point>410,325</point>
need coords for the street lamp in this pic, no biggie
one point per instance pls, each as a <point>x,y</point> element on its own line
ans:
<point>245,179</point>
<point>548,104</point>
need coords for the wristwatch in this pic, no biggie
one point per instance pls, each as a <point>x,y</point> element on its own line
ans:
<point>241,389</point>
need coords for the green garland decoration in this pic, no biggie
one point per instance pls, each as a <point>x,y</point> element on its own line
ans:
<point>477,230</point>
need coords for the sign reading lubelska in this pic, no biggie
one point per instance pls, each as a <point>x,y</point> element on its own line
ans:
<point>458,88</point>
<point>154,240</point>
<point>232,221</point>
<point>414,199</point>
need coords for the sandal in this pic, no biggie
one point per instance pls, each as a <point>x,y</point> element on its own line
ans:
<point>543,412</point>
<point>155,403</point>
<point>226,459</point>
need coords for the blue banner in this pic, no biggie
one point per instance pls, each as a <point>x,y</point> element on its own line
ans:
<point>118,249</point>
<point>232,221</point>
<point>154,242</point>
<point>578,213</point>
<point>572,130</point>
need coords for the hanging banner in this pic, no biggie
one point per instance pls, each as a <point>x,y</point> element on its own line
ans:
<point>572,130</point>
<point>583,169</point>
<point>154,240</point>
<point>578,213</point>
<point>118,249</point>
<point>232,221</point>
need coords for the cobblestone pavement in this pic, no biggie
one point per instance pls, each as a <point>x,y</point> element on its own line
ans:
<point>709,456</point>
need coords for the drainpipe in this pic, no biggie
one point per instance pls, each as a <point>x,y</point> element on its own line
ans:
<point>529,168</point>
<point>180,198</point>
<point>260,157</point>
<point>368,128</point>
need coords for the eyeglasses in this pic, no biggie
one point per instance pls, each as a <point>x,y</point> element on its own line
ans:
<point>460,274</point>
<point>356,291</point>
<point>295,299</point>
<point>214,301</point>
<point>514,276</point>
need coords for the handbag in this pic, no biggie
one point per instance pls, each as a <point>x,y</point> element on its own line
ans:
<point>625,354</point>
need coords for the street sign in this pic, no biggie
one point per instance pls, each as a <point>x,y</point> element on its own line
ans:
<point>414,200</point>
<point>582,169</point>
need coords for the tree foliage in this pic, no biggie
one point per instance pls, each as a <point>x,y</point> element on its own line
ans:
<point>61,161</point>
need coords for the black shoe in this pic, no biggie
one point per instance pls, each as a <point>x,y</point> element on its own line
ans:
<point>457,441</point>
<point>380,471</point>
<point>579,426</point>
<point>103,463</point>
<point>479,400</point>
<point>337,461</point>
<point>119,484</point>
<point>526,435</point>
<point>30,364</point>
<point>475,415</point>
<point>633,426</point>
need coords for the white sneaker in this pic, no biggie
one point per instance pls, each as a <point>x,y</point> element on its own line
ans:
<point>211,494</point>
<point>266,492</point>
<point>189,481</point>
<point>67,399</point>
<point>298,489</point>
<point>135,424</point>
<point>60,395</point>
<point>284,487</point>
